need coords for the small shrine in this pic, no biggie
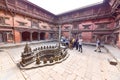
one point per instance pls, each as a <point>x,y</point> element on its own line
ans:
<point>42,56</point>
<point>27,56</point>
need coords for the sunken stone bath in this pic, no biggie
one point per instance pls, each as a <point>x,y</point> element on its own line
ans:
<point>42,56</point>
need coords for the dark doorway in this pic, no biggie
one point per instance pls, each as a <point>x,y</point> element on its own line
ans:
<point>42,36</point>
<point>1,37</point>
<point>116,37</point>
<point>51,35</point>
<point>26,36</point>
<point>35,36</point>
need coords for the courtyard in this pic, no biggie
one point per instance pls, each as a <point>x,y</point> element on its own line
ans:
<point>88,65</point>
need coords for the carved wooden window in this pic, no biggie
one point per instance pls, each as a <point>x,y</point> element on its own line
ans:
<point>10,35</point>
<point>101,26</point>
<point>30,8</point>
<point>2,0</point>
<point>52,28</point>
<point>21,4</point>
<point>11,1</point>
<point>36,11</point>
<point>51,35</point>
<point>35,24</point>
<point>117,23</point>
<point>76,15</point>
<point>2,20</point>
<point>86,26</point>
<point>1,37</point>
<point>75,25</point>
<point>66,27</point>
<point>21,23</point>
<point>7,18</point>
<point>95,10</point>
<point>44,27</point>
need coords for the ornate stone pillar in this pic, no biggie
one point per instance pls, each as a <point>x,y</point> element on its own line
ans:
<point>30,36</point>
<point>106,38</point>
<point>20,36</point>
<point>59,34</point>
<point>38,36</point>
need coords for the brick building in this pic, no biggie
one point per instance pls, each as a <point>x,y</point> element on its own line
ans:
<point>21,20</point>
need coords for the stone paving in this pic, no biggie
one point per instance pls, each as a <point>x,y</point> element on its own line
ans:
<point>88,65</point>
<point>114,51</point>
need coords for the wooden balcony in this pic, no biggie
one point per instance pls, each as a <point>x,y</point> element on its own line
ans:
<point>24,11</point>
<point>81,18</point>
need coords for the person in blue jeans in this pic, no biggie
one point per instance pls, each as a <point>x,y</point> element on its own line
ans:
<point>98,45</point>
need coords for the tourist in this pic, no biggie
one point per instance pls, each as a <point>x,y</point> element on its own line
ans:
<point>80,44</point>
<point>98,45</point>
<point>73,42</point>
<point>67,42</point>
<point>76,43</point>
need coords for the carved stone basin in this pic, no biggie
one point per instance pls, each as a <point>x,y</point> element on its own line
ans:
<point>42,56</point>
<point>46,56</point>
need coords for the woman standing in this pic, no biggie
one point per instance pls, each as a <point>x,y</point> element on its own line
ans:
<point>80,44</point>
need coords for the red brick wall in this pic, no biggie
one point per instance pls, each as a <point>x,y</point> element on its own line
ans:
<point>9,19</point>
<point>65,34</point>
<point>17,36</point>
<point>86,36</point>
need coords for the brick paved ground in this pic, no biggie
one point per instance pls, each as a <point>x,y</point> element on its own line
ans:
<point>88,65</point>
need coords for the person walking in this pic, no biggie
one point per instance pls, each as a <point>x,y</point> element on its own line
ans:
<point>80,44</point>
<point>98,45</point>
<point>76,43</point>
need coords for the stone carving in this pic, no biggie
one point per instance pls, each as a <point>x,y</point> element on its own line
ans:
<point>49,46</point>
<point>52,46</point>
<point>27,56</point>
<point>45,60</point>
<point>41,47</point>
<point>37,59</point>
<point>42,55</point>
<point>44,47</point>
<point>51,59</point>
<point>38,48</point>
<point>27,49</point>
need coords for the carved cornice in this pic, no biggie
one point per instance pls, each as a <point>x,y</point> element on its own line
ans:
<point>31,29</point>
<point>107,15</point>
<point>114,6</point>
<point>44,15</point>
